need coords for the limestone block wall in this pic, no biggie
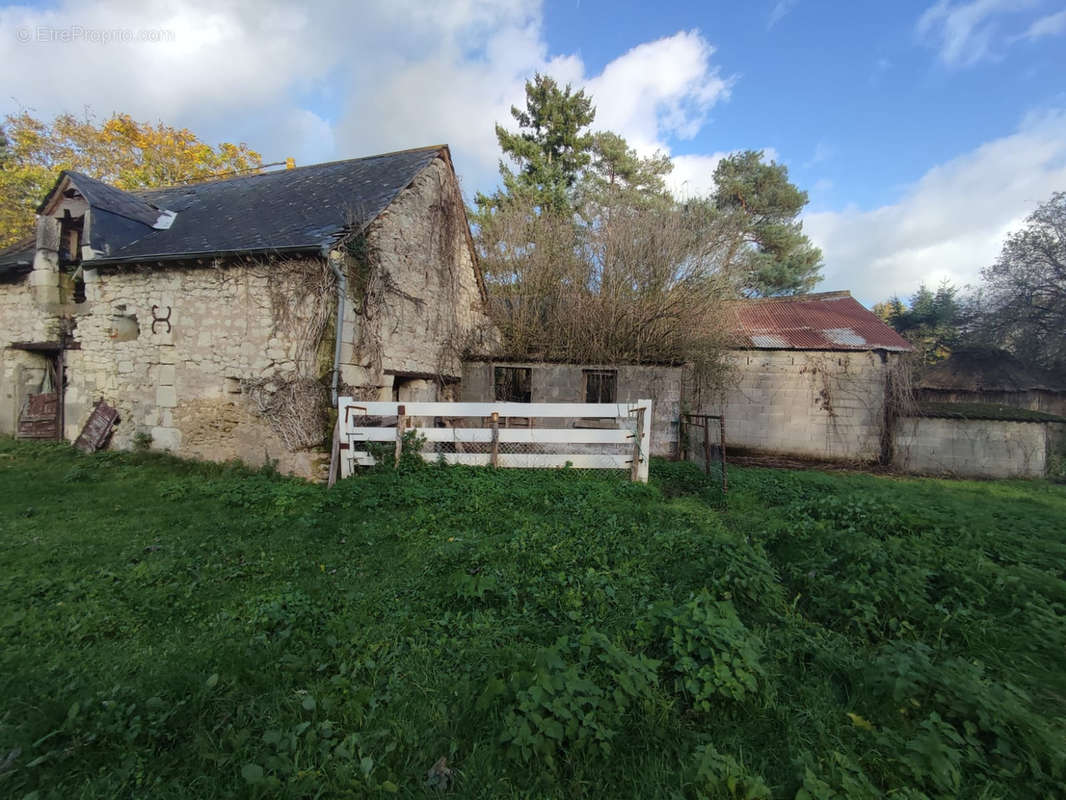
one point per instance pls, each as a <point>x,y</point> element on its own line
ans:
<point>1056,440</point>
<point>21,372</point>
<point>428,303</point>
<point>171,347</point>
<point>814,404</point>
<point>565,383</point>
<point>972,448</point>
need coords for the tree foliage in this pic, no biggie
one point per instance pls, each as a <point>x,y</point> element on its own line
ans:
<point>588,256</point>
<point>616,174</point>
<point>929,320</point>
<point>120,151</point>
<point>550,149</point>
<point>1022,303</point>
<point>769,254</point>
<point>643,288</point>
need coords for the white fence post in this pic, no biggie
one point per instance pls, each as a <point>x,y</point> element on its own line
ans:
<point>642,442</point>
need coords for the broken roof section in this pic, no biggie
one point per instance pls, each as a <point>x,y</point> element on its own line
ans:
<point>823,321</point>
<point>986,369</point>
<point>301,209</point>
<point>17,259</point>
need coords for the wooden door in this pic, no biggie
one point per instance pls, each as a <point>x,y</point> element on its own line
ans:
<point>39,416</point>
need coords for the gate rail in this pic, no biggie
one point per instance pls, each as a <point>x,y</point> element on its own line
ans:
<point>707,423</point>
<point>510,435</point>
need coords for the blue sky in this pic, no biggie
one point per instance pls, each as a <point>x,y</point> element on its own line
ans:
<point>923,131</point>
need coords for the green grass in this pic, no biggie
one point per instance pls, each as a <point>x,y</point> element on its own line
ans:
<point>178,630</point>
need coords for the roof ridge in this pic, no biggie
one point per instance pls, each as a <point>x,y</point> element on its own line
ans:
<point>800,298</point>
<point>287,170</point>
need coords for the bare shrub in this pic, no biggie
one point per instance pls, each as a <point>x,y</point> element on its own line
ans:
<point>637,285</point>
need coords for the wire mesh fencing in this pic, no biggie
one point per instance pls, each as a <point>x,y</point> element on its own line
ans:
<point>701,439</point>
<point>507,435</point>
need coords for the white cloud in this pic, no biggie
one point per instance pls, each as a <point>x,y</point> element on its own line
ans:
<point>657,90</point>
<point>823,151</point>
<point>780,9</point>
<point>693,175</point>
<point>217,63</point>
<point>331,79</point>
<point>965,33</point>
<point>950,223</point>
<point>1051,25</point>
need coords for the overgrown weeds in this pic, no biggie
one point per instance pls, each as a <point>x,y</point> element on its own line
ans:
<point>170,629</point>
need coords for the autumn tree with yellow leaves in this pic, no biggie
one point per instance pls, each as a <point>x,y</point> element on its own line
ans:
<point>121,151</point>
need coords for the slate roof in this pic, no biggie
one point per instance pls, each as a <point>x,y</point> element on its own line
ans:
<point>17,259</point>
<point>823,321</point>
<point>105,197</point>
<point>300,209</point>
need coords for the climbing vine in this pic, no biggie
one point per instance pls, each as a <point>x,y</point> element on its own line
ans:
<point>900,401</point>
<point>302,294</point>
<point>380,300</point>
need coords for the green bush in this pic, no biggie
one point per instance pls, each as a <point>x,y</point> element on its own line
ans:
<point>575,697</point>
<point>710,653</point>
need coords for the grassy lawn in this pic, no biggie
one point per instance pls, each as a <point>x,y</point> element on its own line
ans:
<point>170,629</point>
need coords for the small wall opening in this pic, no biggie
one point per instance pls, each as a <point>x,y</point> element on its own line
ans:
<point>513,384</point>
<point>601,385</point>
<point>70,236</point>
<point>124,327</point>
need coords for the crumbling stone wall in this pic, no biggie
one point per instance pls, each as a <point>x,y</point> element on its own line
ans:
<point>172,349</point>
<point>813,404</point>
<point>21,372</point>
<point>429,306</point>
<point>565,383</point>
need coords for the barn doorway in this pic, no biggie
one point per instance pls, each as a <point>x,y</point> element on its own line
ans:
<point>40,388</point>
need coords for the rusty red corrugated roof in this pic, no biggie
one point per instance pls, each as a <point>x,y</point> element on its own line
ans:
<point>823,321</point>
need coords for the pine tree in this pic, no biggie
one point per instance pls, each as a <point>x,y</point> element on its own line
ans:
<point>770,254</point>
<point>550,149</point>
<point>616,174</point>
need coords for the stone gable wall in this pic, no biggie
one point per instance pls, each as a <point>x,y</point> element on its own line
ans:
<point>424,274</point>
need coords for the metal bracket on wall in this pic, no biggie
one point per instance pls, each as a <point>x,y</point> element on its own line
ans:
<point>158,319</point>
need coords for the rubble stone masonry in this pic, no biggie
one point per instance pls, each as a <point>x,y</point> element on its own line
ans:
<point>173,346</point>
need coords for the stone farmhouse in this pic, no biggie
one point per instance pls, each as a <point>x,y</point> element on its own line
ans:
<point>218,318</point>
<point>222,320</point>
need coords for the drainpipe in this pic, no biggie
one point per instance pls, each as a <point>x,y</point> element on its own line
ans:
<point>342,292</point>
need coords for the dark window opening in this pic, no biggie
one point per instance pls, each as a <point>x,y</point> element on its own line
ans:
<point>70,233</point>
<point>514,384</point>
<point>600,385</point>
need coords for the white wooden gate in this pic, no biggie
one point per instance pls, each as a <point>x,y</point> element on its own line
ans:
<point>516,435</point>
